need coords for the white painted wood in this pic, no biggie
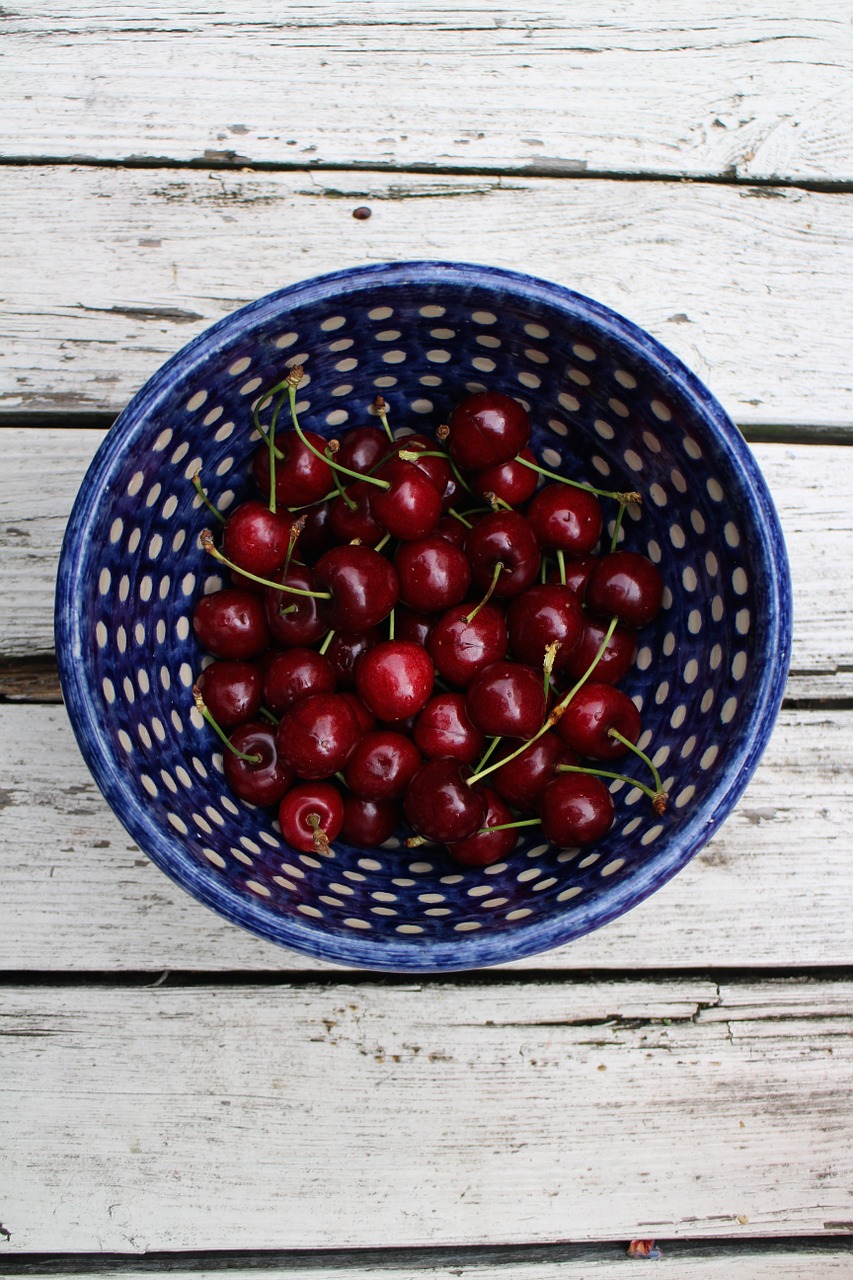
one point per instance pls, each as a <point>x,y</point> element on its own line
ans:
<point>146,1119</point>
<point>43,467</point>
<point>107,272</point>
<point>772,888</point>
<point>516,86</point>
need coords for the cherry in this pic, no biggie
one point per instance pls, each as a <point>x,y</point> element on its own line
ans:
<point>316,536</point>
<point>351,516</point>
<point>433,462</point>
<point>300,476</point>
<point>616,660</point>
<point>439,803</point>
<point>452,530</point>
<point>486,429</point>
<point>361,448</point>
<point>576,809</point>
<point>463,641</point>
<point>232,691</point>
<point>231,624</point>
<point>444,728</point>
<point>566,518</point>
<point>410,506</point>
<point>366,719</point>
<point>363,586</point>
<point>409,625</point>
<point>294,673</point>
<point>433,574</point>
<point>482,849</point>
<point>294,620</point>
<point>503,538</point>
<point>544,614</point>
<point>511,482</point>
<point>368,823</point>
<point>257,539</point>
<point>521,781</point>
<point>317,735</point>
<point>394,679</point>
<point>382,765</point>
<point>264,779</point>
<point>507,698</point>
<point>626,584</point>
<point>594,710</point>
<point>311,815</point>
<point>345,649</point>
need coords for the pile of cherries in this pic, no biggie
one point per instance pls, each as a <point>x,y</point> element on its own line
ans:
<point>407,618</point>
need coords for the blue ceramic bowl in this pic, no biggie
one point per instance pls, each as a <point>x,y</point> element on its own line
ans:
<point>609,405</point>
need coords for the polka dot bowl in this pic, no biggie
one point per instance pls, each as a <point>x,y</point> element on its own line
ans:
<point>609,405</point>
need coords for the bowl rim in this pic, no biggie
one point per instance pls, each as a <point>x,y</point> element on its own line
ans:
<point>412,953</point>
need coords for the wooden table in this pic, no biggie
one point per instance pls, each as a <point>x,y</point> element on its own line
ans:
<point>178,1096</point>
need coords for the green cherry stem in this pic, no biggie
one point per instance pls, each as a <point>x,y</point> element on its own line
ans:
<point>617,525</point>
<point>561,561</point>
<point>498,570</point>
<point>391,625</point>
<point>489,749</point>
<point>293,380</point>
<point>330,635</point>
<point>496,503</point>
<point>266,714</point>
<point>203,711</point>
<point>548,665</point>
<point>381,409</point>
<point>274,452</point>
<point>201,493</point>
<point>658,798</point>
<point>460,479</point>
<point>338,485</point>
<point>382,541</point>
<point>632,746</point>
<point>206,539</point>
<point>451,511</point>
<point>579,484</point>
<point>509,826</point>
<point>261,404</point>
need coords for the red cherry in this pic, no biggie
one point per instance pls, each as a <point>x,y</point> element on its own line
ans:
<point>257,539</point>
<point>366,720</point>
<point>452,530</point>
<point>293,674</point>
<point>521,781</point>
<point>444,728</point>
<point>409,625</point>
<point>486,429</point>
<point>460,648</point>
<point>433,574</point>
<point>505,538</point>
<point>566,518</point>
<point>311,815</point>
<point>577,570</point>
<point>594,710</point>
<point>411,506</point>
<point>382,765</point>
<point>542,615</point>
<point>437,468</point>
<point>616,660</point>
<point>511,481</point>
<point>231,691</point>
<point>394,679</point>
<point>368,823</point>
<point>576,809</point>
<point>440,804</point>
<point>347,522</point>
<point>483,849</point>
<point>317,735</point>
<point>316,536</point>
<point>231,624</point>
<point>626,584</point>
<point>345,649</point>
<point>507,699</point>
<point>300,476</point>
<point>294,620</point>
<point>262,781</point>
<point>363,585</point>
<point>361,448</point>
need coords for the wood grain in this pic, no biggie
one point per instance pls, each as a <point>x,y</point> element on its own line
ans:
<point>107,272</point>
<point>147,1119</point>
<point>771,889</point>
<point>519,87</point>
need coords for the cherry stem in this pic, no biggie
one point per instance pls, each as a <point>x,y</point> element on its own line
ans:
<point>321,840</point>
<point>459,476</point>
<point>415,842</point>
<point>617,525</point>
<point>451,511</point>
<point>382,541</point>
<point>412,455</point>
<point>561,561</point>
<point>295,530</point>
<point>273,452</point>
<point>381,407</point>
<point>267,715</point>
<point>658,798</point>
<point>203,711</point>
<point>256,414</point>
<point>579,484</point>
<point>330,635</point>
<point>338,486</point>
<point>201,493</point>
<point>509,826</point>
<point>391,625</point>
<point>498,570</point>
<point>293,380</point>
<point>632,746</point>
<point>548,665</point>
<point>496,503</point>
<point>489,749</point>
<point>206,539</point>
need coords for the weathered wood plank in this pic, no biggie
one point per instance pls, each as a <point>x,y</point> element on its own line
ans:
<point>811,487</point>
<point>516,87</point>
<point>145,1119</point>
<point>772,888</point>
<point>108,272</point>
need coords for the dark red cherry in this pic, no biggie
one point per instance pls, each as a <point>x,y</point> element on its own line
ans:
<point>263,781</point>
<point>566,518</point>
<point>231,691</point>
<point>460,648</point>
<point>616,660</point>
<point>544,614</point>
<point>382,765</point>
<point>394,679</point>
<point>363,586</point>
<point>292,674</point>
<point>433,574</point>
<point>311,816</point>
<point>345,649</point>
<point>294,620</point>
<point>511,481</point>
<point>576,809</point>
<point>482,849</point>
<point>366,719</point>
<point>410,625</point>
<point>486,429</point>
<point>316,536</point>
<point>507,699</point>
<point>444,728</point>
<point>577,570</point>
<point>437,468</point>
<point>361,448</point>
<point>368,823</point>
<point>257,539</point>
<point>411,505</point>
<point>300,476</point>
<point>440,805</point>
<point>231,624</point>
<point>521,781</point>
<point>505,538</point>
<point>354,521</point>
<point>317,735</point>
<point>452,530</point>
<point>626,584</point>
<point>594,710</point>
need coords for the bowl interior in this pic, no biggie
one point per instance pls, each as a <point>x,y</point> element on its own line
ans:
<point>609,406</point>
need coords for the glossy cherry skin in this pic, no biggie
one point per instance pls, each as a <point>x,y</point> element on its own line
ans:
<point>366,719</point>
<point>594,710</point>
<point>616,660</point>
<point>483,849</point>
<point>231,624</point>
<point>361,448</point>
<point>345,649</point>
<point>316,536</point>
<point>311,799</point>
<point>382,765</point>
<point>294,620</point>
<point>566,518</point>
<point>503,537</point>
<point>444,728</point>
<point>317,735</point>
<point>300,476</point>
<point>433,574</point>
<point>394,679</point>
<point>437,468</point>
<point>460,648</point>
<point>411,505</point>
<point>576,809</point>
<point>414,626</point>
<point>542,615</point>
<point>452,530</point>
<point>511,481</point>
<point>363,585</point>
<point>521,781</point>
<point>577,570</point>
<point>231,692</point>
<point>347,522</point>
<point>263,782</point>
<point>293,674</point>
<point>507,699</point>
<point>257,539</point>
<point>486,429</point>
<point>440,805</point>
<point>626,584</point>
<point>368,823</point>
